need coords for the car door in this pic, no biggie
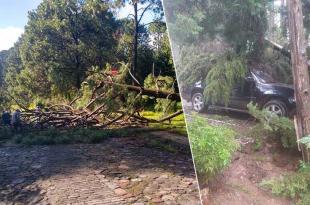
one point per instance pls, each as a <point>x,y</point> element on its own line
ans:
<point>242,94</point>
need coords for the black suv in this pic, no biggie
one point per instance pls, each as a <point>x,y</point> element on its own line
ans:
<point>257,87</point>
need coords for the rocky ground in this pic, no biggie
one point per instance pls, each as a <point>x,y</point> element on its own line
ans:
<point>119,171</point>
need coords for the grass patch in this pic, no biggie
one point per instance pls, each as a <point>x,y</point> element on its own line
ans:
<point>212,146</point>
<point>89,135</point>
<point>295,186</point>
<point>176,124</point>
<point>219,117</point>
<point>71,136</point>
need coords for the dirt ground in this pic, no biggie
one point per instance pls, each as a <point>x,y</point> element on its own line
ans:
<point>130,170</point>
<point>239,183</point>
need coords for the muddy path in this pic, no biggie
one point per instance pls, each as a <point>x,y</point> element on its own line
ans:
<point>239,183</point>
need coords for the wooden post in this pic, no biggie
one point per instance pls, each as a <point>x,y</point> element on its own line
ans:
<point>300,70</point>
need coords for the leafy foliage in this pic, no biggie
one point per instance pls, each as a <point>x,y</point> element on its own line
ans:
<point>216,41</point>
<point>278,66</point>
<point>196,61</point>
<point>306,141</point>
<point>295,185</point>
<point>163,63</point>
<point>3,57</point>
<point>223,76</point>
<point>212,147</point>
<point>240,23</point>
<point>74,28</point>
<point>115,98</point>
<point>279,127</point>
<point>69,46</point>
<point>202,32</point>
<point>164,83</point>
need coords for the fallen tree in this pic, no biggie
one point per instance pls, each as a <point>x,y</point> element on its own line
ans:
<point>98,111</point>
<point>281,49</point>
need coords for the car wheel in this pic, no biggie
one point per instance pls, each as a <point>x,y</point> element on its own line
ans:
<point>197,102</point>
<point>277,107</point>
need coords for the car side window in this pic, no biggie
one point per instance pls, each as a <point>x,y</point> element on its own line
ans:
<point>244,87</point>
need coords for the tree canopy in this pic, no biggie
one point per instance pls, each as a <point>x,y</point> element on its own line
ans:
<point>204,32</point>
<point>67,42</point>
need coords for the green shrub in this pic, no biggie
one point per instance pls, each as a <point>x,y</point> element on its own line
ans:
<point>295,186</point>
<point>305,199</point>
<point>305,141</point>
<point>289,186</point>
<point>275,126</point>
<point>212,147</point>
<point>257,133</point>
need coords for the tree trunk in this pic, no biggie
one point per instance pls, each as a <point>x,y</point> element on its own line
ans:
<point>135,40</point>
<point>76,37</point>
<point>150,92</point>
<point>300,71</point>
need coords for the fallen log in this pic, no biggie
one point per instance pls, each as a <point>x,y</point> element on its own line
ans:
<point>96,114</point>
<point>149,92</point>
<point>167,118</point>
<point>112,121</point>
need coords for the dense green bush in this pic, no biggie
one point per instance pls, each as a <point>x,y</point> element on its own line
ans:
<point>212,146</point>
<point>295,186</point>
<point>275,126</point>
<point>223,76</point>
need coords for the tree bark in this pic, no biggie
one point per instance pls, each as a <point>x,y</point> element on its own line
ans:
<point>300,71</point>
<point>135,40</point>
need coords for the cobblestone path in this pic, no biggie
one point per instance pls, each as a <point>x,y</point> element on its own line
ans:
<point>118,171</point>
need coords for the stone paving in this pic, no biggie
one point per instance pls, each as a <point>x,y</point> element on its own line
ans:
<point>118,171</point>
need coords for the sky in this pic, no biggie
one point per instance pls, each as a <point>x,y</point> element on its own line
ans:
<point>13,18</point>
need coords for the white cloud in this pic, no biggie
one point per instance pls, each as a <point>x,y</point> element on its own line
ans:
<point>128,9</point>
<point>125,11</point>
<point>8,36</point>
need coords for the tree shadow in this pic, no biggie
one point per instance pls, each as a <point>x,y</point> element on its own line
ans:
<point>22,168</point>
